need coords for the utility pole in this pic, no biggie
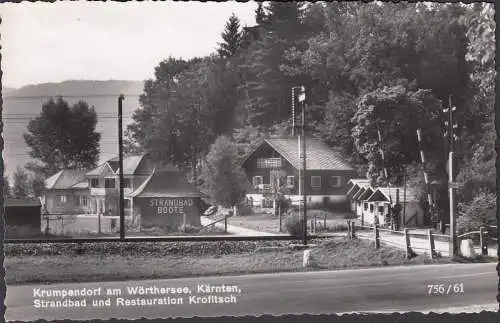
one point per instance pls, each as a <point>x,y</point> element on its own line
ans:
<point>451,185</point>
<point>302,99</point>
<point>120,165</point>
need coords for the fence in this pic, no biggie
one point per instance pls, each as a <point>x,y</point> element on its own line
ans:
<point>213,224</point>
<point>68,225</point>
<point>428,245</point>
<point>430,237</point>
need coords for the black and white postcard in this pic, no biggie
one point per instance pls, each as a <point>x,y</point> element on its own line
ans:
<point>181,159</point>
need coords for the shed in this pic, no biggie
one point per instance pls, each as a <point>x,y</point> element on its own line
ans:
<point>166,200</point>
<point>413,214</point>
<point>22,213</point>
<point>357,184</point>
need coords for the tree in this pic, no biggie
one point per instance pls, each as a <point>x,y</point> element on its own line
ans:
<point>232,37</point>
<point>63,137</point>
<point>7,191</point>
<point>397,112</point>
<point>21,187</point>
<point>480,212</point>
<point>223,178</point>
<point>279,188</point>
<point>260,14</point>
<point>36,183</point>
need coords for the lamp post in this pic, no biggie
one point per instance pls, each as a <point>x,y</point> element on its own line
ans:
<point>302,100</point>
<point>451,185</point>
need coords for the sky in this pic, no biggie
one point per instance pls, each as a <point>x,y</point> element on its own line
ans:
<point>53,42</point>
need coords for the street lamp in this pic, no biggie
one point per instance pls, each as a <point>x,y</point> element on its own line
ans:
<point>301,98</point>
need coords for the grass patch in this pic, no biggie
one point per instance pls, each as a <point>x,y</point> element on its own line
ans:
<point>155,260</point>
<point>261,222</point>
<point>335,221</point>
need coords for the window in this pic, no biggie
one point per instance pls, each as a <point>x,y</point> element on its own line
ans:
<point>83,200</point>
<point>127,183</point>
<point>380,209</point>
<point>365,206</point>
<point>109,183</point>
<point>316,181</point>
<point>269,163</point>
<point>371,208</point>
<point>62,198</point>
<point>290,181</point>
<point>94,182</point>
<point>257,180</point>
<point>335,181</point>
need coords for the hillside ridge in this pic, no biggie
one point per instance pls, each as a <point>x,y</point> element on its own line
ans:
<point>81,88</point>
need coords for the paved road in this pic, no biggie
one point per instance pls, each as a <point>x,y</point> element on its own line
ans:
<point>364,290</point>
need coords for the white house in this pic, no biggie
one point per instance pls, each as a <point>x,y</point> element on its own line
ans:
<point>379,201</point>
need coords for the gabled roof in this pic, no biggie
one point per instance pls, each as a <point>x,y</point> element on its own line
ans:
<point>82,184</point>
<point>358,193</point>
<point>13,202</point>
<point>318,155</point>
<point>65,179</point>
<point>130,164</point>
<point>366,193</point>
<point>389,194</point>
<point>98,170</point>
<point>357,184</point>
<point>166,182</point>
<point>353,190</point>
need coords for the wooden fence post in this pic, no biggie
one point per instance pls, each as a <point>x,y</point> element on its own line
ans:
<point>377,237</point>
<point>324,223</point>
<point>225,224</point>
<point>349,235</point>
<point>280,222</point>
<point>407,242</point>
<point>431,244</point>
<point>482,241</point>
<point>353,230</point>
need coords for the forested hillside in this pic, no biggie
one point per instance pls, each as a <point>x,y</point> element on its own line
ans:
<point>367,67</point>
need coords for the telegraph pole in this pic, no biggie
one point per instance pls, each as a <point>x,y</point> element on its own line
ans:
<point>120,165</point>
<point>451,185</point>
<point>302,99</point>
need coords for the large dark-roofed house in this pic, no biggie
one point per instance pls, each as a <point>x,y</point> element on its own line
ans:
<point>327,170</point>
<point>166,200</point>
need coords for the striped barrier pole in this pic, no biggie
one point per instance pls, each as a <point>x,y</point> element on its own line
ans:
<point>426,177</point>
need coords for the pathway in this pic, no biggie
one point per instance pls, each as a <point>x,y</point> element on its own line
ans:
<point>419,245</point>
<point>236,230</point>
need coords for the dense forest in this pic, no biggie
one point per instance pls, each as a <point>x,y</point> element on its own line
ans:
<point>367,67</point>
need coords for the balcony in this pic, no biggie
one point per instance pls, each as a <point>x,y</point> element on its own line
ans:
<point>263,189</point>
<point>272,163</point>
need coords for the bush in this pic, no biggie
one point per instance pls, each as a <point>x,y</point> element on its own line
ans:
<point>480,212</point>
<point>245,209</point>
<point>294,223</point>
<point>188,228</point>
<point>21,231</point>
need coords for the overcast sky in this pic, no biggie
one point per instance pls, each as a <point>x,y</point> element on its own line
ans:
<point>52,42</point>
